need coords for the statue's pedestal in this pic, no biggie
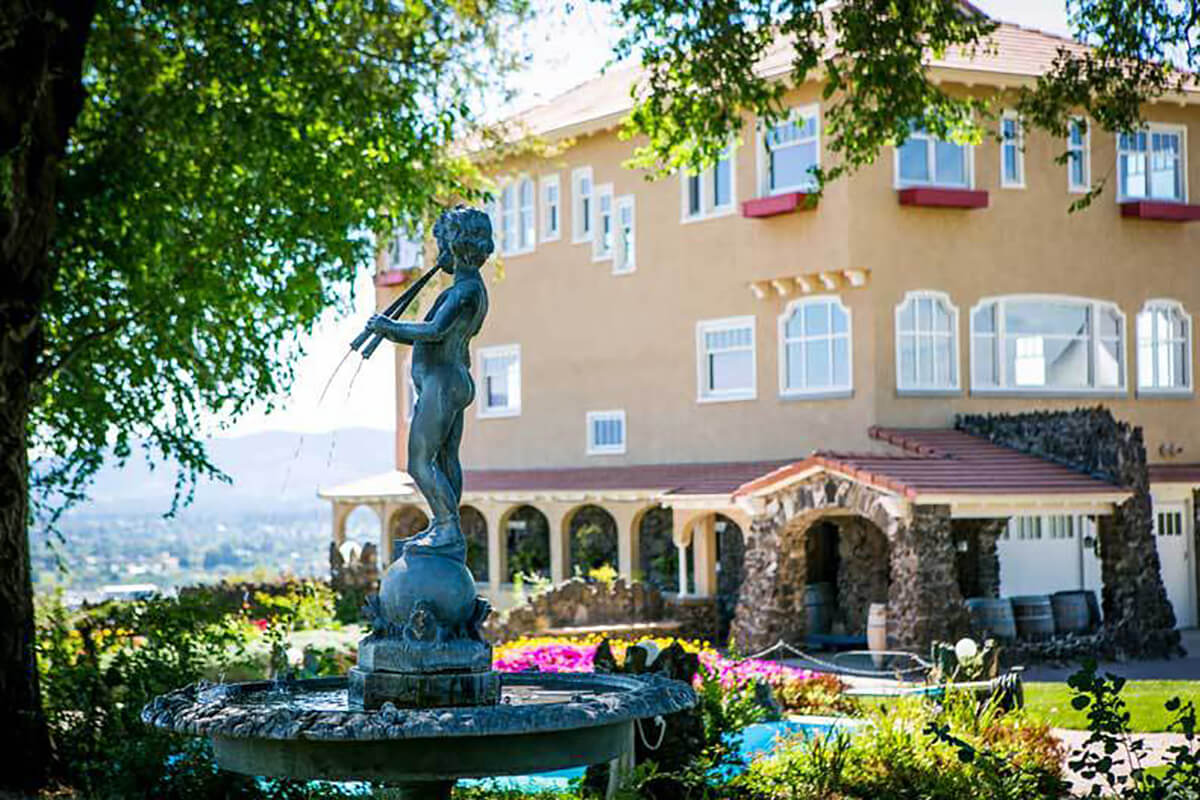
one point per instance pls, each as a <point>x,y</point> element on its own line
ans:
<point>426,649</point>
<point>416,674</point>
<point>370,690</point>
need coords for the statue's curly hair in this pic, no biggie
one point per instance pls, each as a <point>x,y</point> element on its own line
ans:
<point>467,232</point>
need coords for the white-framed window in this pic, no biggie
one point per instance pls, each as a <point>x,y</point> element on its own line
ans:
<point>605,432</point>
<point>790,152</point>
<point>581,204</point>
<point>815,353</point>
<point>1079,155</point>
<point>1028,528</point>
<point>551,209</point>
<point>1151,164</point>
<point>725,360</point>
<point>625,257</point>
<point>406,250</point>
<point>1012,151</point>
<point>1164,347</point>
<point>925,160</point>
<point>410,392</point>
<point>499,381</point>
<point>711,192</point>
<point>1047,343</point>
<point>517,221</point>
<point>926,343</point>
<point>602,242</point>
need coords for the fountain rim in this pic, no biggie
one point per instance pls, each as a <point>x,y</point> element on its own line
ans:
<point>209,709</point>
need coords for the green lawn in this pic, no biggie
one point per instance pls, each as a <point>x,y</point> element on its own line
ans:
<point>1051,702</point>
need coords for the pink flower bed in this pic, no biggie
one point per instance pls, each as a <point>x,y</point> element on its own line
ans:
<point>572,657</point>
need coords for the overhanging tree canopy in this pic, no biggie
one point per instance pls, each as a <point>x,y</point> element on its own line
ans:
<point>187,186</point>
<point>702,58</point>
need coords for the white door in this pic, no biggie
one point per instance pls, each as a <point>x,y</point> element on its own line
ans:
<point>1173,537</point>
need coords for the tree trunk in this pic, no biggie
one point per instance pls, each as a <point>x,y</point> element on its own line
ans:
<point>42,93</point>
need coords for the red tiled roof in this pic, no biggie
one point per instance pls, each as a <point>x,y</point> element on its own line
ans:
<point>677,479</point>
<point>1009,50</point>
<point>1175,473</point>
<point>942,461</point>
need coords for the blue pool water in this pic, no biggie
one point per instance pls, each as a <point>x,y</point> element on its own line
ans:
<point>756,740</point>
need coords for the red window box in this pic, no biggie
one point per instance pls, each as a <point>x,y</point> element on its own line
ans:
<point>1156,209</point>
<point>936,197</point>
<point>394,277</point>
<point>777,204</point>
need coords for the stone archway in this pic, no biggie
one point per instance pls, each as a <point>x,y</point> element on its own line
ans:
<point>924,601</point>
<point>657,555</point>
<point>527,543</point>
<point>849,555</point>
<point>591,539</point>
<point>474,528</point>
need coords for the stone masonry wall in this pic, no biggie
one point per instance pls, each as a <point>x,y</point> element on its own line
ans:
<point>771,606</point>
<point>579,603</point>
<point>1137,615</point>
<point>924,602</point>
<point>979,564</point>
<point>862,572</point>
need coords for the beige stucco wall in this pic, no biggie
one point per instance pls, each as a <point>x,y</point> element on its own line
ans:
<point>591,340</point>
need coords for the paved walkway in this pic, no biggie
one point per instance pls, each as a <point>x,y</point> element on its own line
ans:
<point>1175,669</point>
<point>1156,753</point>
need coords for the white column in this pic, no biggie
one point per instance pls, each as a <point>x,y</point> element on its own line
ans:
<point>704,540</point>
<point>683,569</point>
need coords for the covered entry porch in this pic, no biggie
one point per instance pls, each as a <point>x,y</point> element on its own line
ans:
<point>917,530</point>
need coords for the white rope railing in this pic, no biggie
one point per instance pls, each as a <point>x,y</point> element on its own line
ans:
<point>923,666</point>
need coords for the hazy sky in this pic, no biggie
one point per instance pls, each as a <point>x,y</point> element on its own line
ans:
<point>564,51</point>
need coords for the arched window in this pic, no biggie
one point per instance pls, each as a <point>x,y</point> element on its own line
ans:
<point>1036,343</point>
<point>592,537</point>
<point>926,343</point>
<point>1164,347</point>
<point>474,528</point>
<point>814,348</point>
<point>527,537</point>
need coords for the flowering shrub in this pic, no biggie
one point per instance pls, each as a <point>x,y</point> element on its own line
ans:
<point>797,689</point>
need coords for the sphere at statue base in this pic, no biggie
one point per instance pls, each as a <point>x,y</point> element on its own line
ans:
<point>444,587</point>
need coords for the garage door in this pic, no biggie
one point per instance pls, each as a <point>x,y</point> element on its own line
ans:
<point>1046,554</point>
<point>1173,537</point>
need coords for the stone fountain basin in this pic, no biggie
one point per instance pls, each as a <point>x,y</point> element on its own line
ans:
<point>545,721</point>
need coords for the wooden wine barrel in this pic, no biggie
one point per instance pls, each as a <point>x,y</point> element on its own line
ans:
<point>992,616</point>
<point>1072,613</point>
<point>1034,616</point>
<point>818,604</point>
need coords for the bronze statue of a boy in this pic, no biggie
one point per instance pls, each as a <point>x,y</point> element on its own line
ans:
<point>441,372</point>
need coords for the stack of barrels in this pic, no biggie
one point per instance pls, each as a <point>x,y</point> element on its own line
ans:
<point>1034,617</point>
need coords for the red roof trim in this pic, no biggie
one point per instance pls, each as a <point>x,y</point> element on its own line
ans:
<point>1175,473</point>
<point>942,462</point>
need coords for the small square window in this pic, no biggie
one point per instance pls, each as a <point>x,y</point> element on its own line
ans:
<point>726,359</point>
<point>605,432</point>
<point>499,392</point>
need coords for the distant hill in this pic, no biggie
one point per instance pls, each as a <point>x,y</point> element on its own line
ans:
<point>271,472</point>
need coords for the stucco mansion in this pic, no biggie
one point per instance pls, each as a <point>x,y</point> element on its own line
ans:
<point>932,382</point>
